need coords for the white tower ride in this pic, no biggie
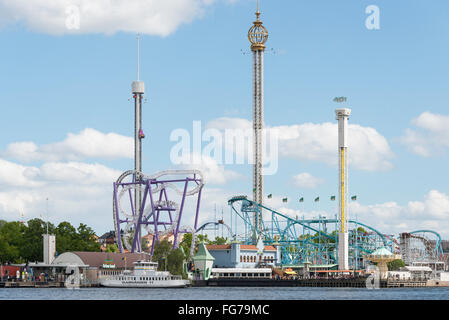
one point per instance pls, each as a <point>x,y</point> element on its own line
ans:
<point>138,89</point>
<point>258,36</point>
<point>342,116</point>
<point>49,248</point>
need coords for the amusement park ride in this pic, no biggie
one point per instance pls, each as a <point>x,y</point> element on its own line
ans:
<point>147,201</point>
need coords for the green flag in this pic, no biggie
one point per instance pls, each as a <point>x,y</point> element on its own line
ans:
<point>270,196</point>
<point>332,198</point>
<point>284,200</point>
<point>354,198</point>
<point>317,199</point>
<point>301,200</point>
<point>254,190</point>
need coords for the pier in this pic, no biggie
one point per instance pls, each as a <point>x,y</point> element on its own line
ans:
<point>42,284</point>
<point>359,282</point>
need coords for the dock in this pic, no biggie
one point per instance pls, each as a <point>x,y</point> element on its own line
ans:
<point>41,284</point>
<point>358,282</point>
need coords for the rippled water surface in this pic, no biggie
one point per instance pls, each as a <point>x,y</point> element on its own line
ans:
<point>209,293</point>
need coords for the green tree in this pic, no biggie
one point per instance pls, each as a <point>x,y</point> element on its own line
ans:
<point>186,244</point>
<point>65,235</point>
<point>219,240</point>
<point>360,230</point>
<point>11,241</point>
<point>112,248</point>
<point>175,262</point>
<point>395,265</point>
<point>32,250</point>
<point>85,239</point>
<point>70,239</point>
<point>160,254</point>
<point>8,253</point>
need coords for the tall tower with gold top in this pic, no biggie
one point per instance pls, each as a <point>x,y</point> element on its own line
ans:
<point>258,36</point>
<point>342,115</point>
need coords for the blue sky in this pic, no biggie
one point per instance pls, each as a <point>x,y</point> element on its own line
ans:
<point>55,81</point>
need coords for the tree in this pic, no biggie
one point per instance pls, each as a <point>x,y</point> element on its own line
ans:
<point>86,239</point>
<point>161,251</point>
<point>219,240</point>
<point>20,243</point>
<point>361,230</point>
<point>395,265</point>
<point>70,239</point>
<point>8,253</point>
<point>65,235</point>
<point>111,248</point>
<point>175,261</point>
<point>186,244</point>
<point>32,250</point>
<point>11,241</point>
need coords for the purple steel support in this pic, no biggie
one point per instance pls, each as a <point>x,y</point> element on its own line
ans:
<point>197,209</point>
<point>137,235</point>
<point>138,211</point>
<point>117,227</point>
<point>155,222</point>
<point>175,234</point>
<point>131,202</point>
<point>166,199</point>
<point>158,209</point>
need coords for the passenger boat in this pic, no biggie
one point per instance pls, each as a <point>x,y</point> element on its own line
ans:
<point>144,275</point>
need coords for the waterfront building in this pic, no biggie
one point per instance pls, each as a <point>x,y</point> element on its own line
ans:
<point>107,238</point>
<point>92,266</point>
<point>236,255</point>
<point>203,262</point>
<point>242,273</point>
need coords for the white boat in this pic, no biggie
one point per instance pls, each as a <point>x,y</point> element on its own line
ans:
<point>144,275</point>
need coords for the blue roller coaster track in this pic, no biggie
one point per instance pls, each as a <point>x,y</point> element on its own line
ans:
<point>307,240</point>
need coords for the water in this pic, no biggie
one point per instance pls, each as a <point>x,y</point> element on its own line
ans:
<point>213,293</point>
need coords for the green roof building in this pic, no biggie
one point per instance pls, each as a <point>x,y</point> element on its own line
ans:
<point>203,262</point>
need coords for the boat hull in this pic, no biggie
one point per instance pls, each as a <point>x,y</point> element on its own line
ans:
<point>113,283</point>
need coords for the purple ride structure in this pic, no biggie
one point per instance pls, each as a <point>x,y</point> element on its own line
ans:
<point>141,201</point>
<point>157,214</point>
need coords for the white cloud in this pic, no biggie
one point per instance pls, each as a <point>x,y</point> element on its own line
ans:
<point>229,123</point>
<point>78,172</point>
<point>368,149</point>
<point>77,192</point>
<point>307,181</point>
<point>431,136</point>
<point>88,143</point>
<point>391,217</point>
<point>16,175</point>
<point>154,17</point>
<point>214,173</point>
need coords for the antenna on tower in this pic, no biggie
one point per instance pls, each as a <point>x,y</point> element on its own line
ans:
<point>138,55</point>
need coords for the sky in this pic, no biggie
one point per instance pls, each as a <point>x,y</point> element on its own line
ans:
<point>66,69</point>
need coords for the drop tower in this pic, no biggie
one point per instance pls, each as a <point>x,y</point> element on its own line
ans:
<point>342,115</point>
<point>258,36</point>
<point>138,90</point>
